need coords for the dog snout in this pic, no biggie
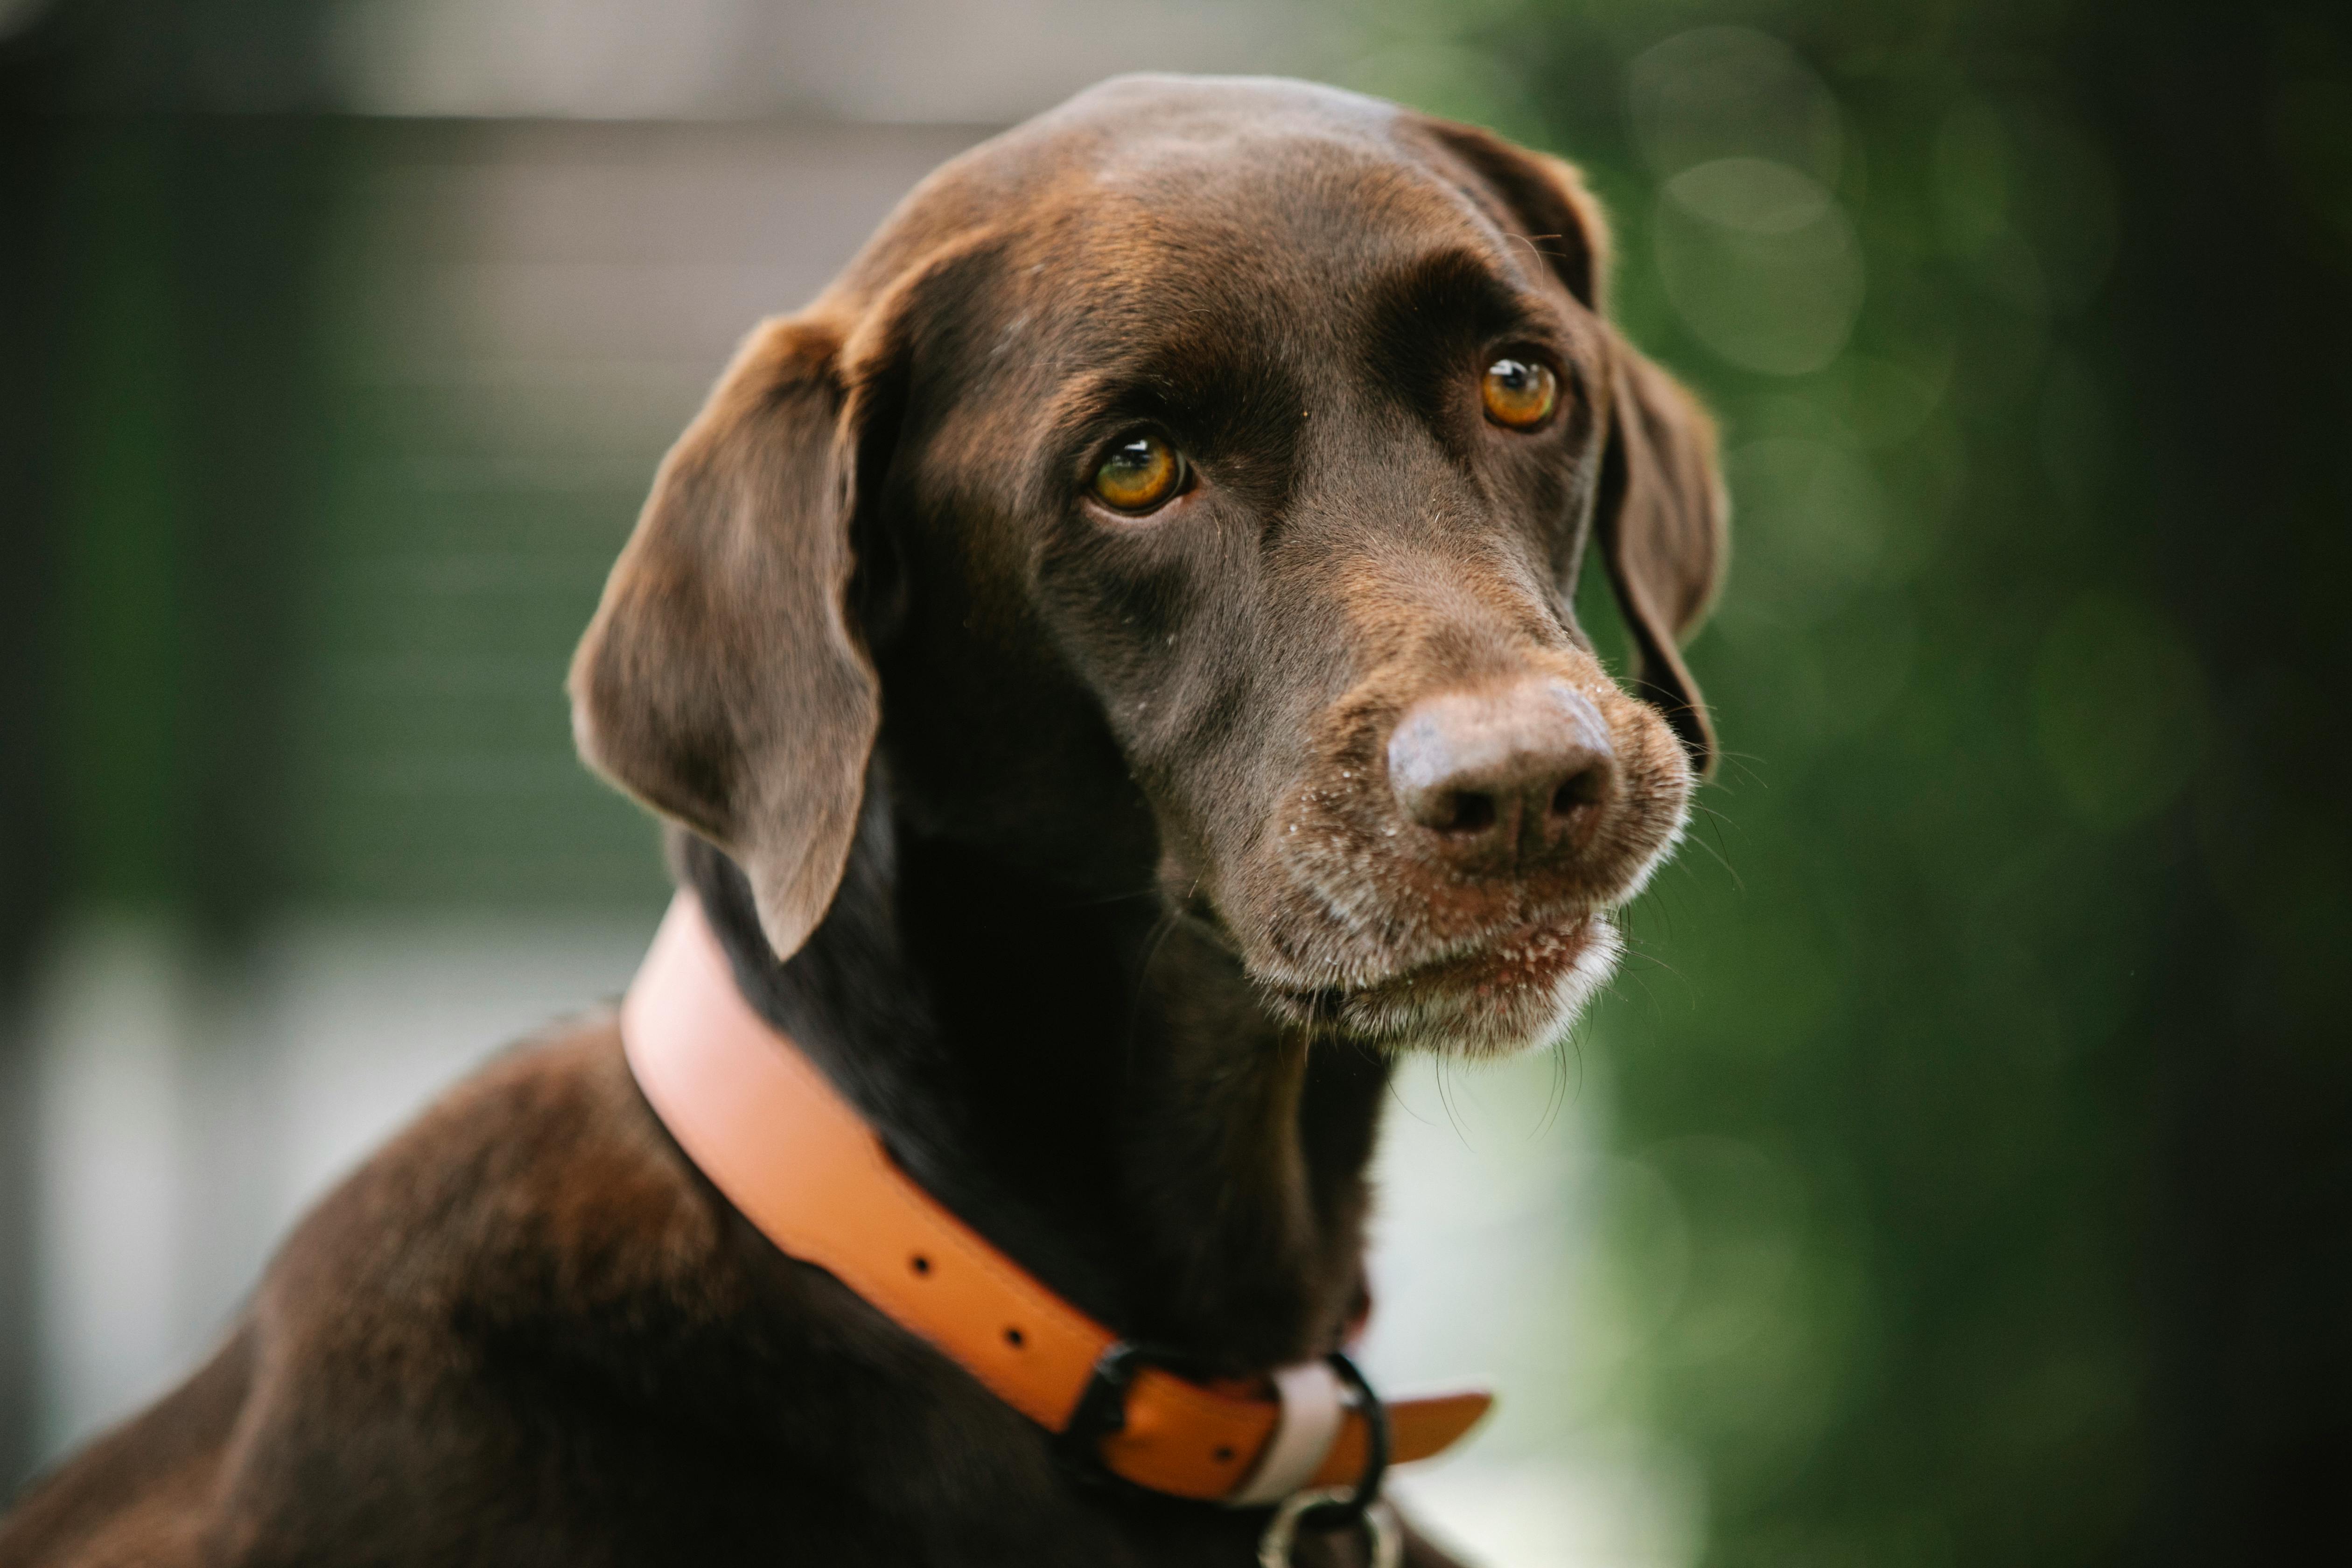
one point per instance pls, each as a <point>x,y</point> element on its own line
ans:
<point>1506,778</point>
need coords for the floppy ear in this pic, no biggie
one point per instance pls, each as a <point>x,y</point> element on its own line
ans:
<point>1661,514</point>
<point>1664,524</point>
<point>720,681</point>
<point>1556,216</point>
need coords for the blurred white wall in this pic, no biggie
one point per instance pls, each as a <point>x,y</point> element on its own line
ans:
<point>1486,1263</point>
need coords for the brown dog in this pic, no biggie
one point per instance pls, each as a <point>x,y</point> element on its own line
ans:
<point>1113,656</point>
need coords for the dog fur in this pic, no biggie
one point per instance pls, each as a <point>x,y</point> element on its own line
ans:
<point>1064,841</point>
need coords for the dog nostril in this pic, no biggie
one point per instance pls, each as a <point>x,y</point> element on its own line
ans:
<point>1579,789</point>
<point>1466,811</point>
<point>1501,772</point>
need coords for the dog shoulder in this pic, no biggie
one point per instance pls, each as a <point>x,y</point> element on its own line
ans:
<point>538,1198</point>
<point>502,1234</point>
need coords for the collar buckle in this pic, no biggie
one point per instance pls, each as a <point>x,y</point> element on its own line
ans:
<point>1101,1409</point>
<point>1101,1412</point>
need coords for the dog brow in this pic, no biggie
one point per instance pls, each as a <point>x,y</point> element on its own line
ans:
<point>1457,289</point>
<point>1203,390</point>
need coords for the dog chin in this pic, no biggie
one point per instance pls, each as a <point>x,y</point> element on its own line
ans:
<point>1499,999</point>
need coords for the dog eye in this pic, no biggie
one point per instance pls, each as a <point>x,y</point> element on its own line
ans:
<point>1520,393</point>
<point>1140,472</point>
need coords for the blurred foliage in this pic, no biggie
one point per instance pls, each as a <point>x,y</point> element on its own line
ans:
<point>1910,1061</point>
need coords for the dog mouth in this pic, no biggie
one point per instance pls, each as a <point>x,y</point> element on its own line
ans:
<point>1499,992</point>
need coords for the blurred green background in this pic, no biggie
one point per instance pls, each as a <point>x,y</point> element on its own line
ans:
<point>1974,1117</point>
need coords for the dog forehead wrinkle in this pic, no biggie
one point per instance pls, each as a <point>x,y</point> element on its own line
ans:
<point>1148,229</point>
<point>1325,220</point>
<point>1289,150</point>
<point>1285,241</point>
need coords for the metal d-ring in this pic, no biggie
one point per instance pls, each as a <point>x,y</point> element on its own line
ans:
<point>1335,1508</point>
<point>1332,1513</point>
<point>1381,1535</point>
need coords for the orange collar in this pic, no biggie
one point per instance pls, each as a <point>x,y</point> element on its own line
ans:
<point>775,1137</point>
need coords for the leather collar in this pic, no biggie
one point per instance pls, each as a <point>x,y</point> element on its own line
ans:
<point>771,1133</point>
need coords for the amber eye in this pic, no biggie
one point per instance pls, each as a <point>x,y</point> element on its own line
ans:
<point>1520,392</point>
<point>1140,472</point>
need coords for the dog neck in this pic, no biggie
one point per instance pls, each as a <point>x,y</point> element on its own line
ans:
<point>1088,1084</point>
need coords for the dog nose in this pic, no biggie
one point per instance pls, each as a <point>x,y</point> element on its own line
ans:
<point>1505,774</point>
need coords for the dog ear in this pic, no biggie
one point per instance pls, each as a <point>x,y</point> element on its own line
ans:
<point>1660,515</point>
<point>1663,521</point>
<point>1558,218</point>
<point>721,682</point>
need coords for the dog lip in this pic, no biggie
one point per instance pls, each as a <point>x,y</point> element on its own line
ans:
<point>1551,944</point>
<point>1545,946</point>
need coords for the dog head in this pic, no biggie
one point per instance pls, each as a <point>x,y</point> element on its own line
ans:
<point>1189,487</point>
